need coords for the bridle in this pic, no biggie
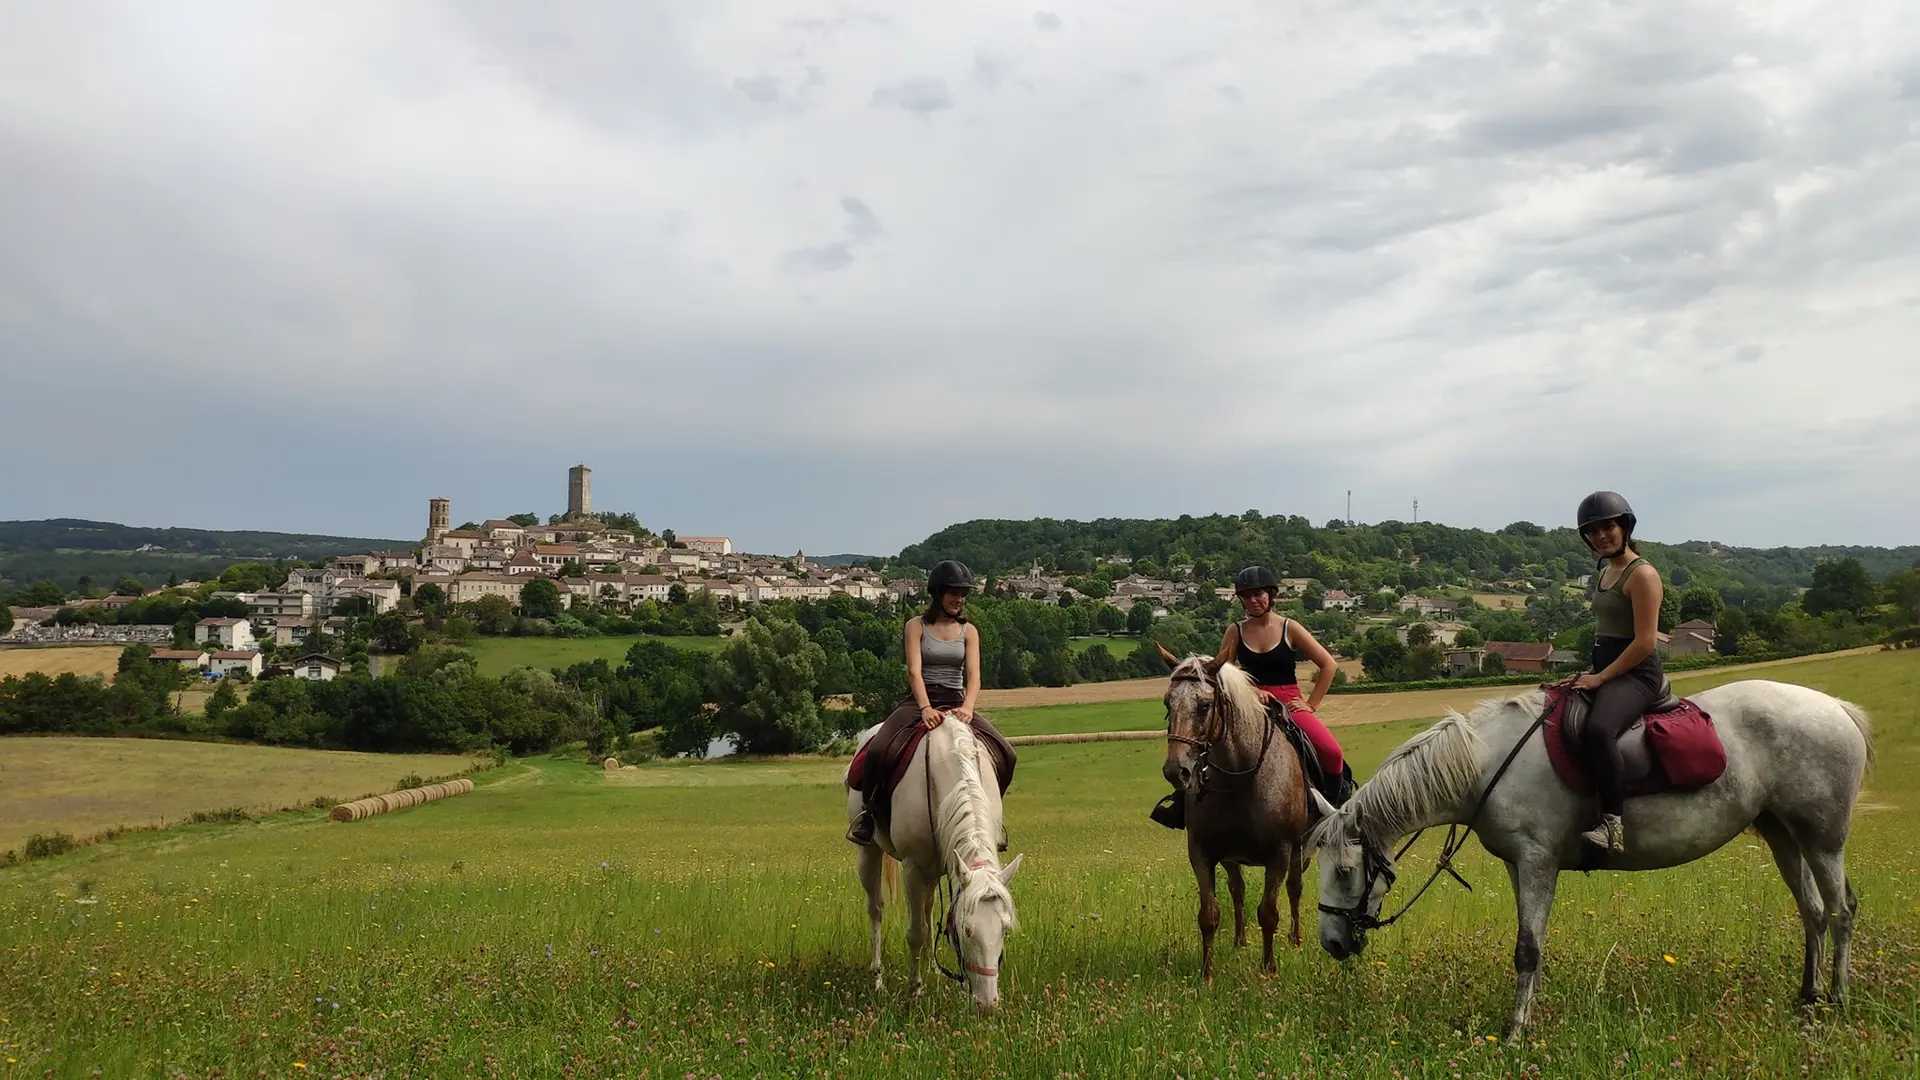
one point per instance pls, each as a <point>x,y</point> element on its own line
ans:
<point>1213,728</point>
<point>1374,866</point>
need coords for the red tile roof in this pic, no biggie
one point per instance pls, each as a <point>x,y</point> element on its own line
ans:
<point>1521,650</point>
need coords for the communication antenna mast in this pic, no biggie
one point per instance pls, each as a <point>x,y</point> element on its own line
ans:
<point>1349,506</point>
<point>1416,511</point>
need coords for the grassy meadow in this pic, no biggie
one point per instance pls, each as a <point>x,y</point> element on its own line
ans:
<point>495,655</point>
<point>704,920</point>
<point>1121,646</point>
<point>83,786</point>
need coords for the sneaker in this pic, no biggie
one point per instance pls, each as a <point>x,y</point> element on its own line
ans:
<point>861,831</point>
<point>1610,834</point>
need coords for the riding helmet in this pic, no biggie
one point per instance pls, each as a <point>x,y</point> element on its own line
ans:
<point>1256,577</point>
<point>1605,506</point>
<point>949,575</point>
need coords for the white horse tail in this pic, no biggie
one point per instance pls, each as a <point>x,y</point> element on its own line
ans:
<point>1865,726</point>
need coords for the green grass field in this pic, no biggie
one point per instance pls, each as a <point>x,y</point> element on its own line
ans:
<point>704,920</point>
<point>498,654</point>
<point>1121,647</point>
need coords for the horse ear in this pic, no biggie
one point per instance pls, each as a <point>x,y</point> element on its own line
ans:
<point>1012,868</point>
<point>1172,660</point>
<point>1321,807</point>
<point>1214,665</point>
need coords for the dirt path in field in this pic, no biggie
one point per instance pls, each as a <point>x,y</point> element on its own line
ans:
<point>1337,709</point>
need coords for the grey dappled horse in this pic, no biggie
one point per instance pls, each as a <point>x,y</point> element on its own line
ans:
<point>950,782</point>
<point>1795,761</point>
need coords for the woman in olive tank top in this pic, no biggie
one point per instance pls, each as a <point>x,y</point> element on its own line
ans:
<point>1625,677</point>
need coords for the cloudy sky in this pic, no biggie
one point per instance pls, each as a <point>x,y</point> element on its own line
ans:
<point>835,277</point>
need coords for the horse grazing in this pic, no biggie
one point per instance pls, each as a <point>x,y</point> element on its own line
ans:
<point>1245,793</point>
<point>1795,761</point>
<point>945,821</point>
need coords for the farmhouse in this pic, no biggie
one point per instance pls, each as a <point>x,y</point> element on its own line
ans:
<point>1522,655</point>
<point>1464,661</point>
<point>1691,638</point>
<point>315,666</point>
<point>1337,600</point>
<point>232,634</point>
<point>191,659</point>
<point>226,663</point>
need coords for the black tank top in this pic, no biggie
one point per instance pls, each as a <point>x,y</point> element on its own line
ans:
<point>1271,668</point>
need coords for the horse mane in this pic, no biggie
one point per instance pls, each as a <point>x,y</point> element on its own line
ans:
<point>1436,769</point>
<point>972,854</point>
<point>1236,686</point>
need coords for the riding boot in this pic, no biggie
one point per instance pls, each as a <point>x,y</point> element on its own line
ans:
<point>861,831</point>
<point>1609,834</point>
<point>1171,811</point>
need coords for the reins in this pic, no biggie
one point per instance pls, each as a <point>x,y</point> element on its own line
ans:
<point>1373,867</point>
<point>1214,730</point>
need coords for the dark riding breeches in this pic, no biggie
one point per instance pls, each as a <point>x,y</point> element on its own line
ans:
<point>1616,705</point>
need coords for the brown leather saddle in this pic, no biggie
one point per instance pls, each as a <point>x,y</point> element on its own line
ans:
<point>1634,750</point>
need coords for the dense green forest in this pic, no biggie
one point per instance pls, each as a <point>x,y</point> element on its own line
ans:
<point>1361,558</point>
<point>65,550</point>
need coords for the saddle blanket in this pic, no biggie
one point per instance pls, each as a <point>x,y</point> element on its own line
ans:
<point>1686,751</point>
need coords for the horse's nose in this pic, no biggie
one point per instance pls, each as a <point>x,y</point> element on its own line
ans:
<point>1177,774</point>
<point>1334,946</point>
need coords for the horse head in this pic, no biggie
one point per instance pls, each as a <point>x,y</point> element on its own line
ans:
<point>978,924</point>
<point>1194,701</point>
<point>1354,877</point>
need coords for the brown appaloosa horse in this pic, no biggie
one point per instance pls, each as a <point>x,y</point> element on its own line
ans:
<point>1245,793</point>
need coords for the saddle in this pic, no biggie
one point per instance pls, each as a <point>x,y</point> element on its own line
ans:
<point>881,763</point>
<point>1672,747</point>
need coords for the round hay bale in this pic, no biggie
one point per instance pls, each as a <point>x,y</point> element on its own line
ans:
<point>388,803</point>
<point>612,764</point>
<point>465,785</point>
<point>343,812</point>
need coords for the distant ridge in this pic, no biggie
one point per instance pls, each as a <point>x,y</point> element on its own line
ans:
<point>64,550</point>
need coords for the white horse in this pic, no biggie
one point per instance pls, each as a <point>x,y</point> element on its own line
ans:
<point>950,782</point>
<point>1795,761</point>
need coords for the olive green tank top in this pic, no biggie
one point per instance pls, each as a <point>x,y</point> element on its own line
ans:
<point>1613,608</point>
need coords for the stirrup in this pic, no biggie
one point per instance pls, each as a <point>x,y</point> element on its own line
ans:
<point>1609,835</point>
<point>1170,811</point>
<point>862,829</point>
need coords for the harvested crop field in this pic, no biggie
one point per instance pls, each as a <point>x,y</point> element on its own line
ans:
<point>102,660</point>
<point>83,786</point>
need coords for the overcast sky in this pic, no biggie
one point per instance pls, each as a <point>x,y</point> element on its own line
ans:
<point>833,278</point>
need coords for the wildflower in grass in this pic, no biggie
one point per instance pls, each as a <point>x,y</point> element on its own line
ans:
<point>1668,958</point>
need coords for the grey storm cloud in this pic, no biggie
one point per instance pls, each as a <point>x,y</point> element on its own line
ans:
<point>836,279</point>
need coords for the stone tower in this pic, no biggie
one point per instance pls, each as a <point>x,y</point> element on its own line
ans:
<point>439,515</point>
<point>579,491</point>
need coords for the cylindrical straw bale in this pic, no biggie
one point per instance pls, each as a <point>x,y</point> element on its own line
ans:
<point>343,812</point>
<point>612,764</point>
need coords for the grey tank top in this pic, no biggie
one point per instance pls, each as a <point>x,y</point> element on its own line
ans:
<point>943,663</point>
